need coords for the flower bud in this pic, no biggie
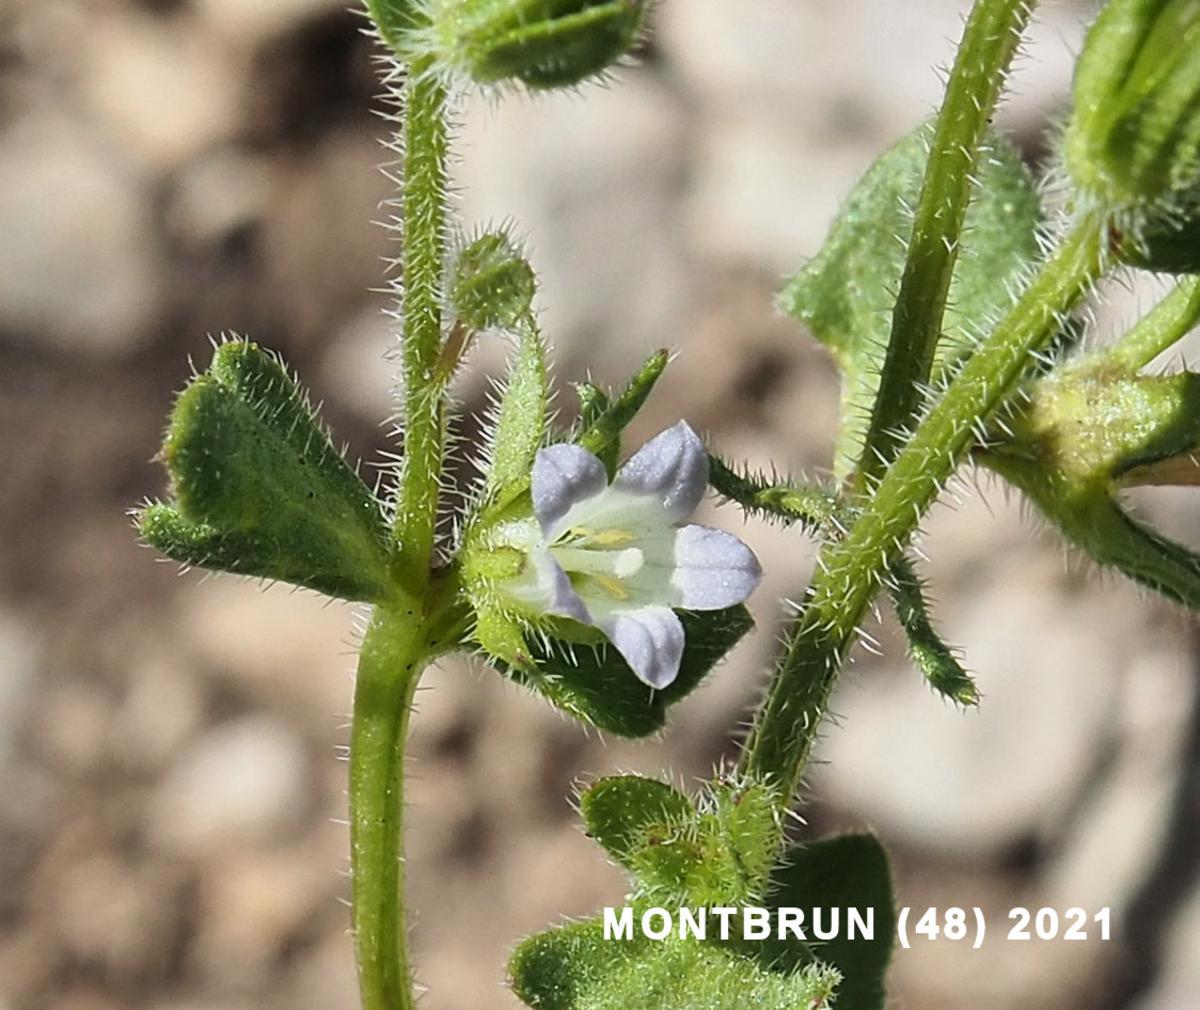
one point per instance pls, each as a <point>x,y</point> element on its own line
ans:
<point>1134,137</point>
<point>492,285</point>
<point>542,43</point>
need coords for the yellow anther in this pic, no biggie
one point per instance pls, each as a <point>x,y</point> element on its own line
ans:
<point>612,585</point>
<point>610,538</point>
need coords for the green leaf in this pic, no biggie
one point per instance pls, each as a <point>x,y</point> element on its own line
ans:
<point>717,852</point>
<point>813,508</point>
<point>595,685</point>
<point>845,295</point>
<point>932,656</point>
<point>627,813</point>
<point>723,857</point>
<point>521,425</point>
<point>260,490</point>
<point>575,968</point>
<point>739,828</point>
<point>850,871</point>
<point>601,433</point>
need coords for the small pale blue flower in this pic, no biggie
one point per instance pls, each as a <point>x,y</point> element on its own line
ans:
<point>618,557</point>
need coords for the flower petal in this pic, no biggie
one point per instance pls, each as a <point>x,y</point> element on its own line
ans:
<point>650,639</point>
<point>713,569</point>
<point>546,588</point>
<point>672,467</point>
<point>563,475</point>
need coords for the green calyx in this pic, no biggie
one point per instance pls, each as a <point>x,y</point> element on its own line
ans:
<point>1098,426</point>
<point>259,488</point>
<point>540,43</point>
<point>1133,141</point>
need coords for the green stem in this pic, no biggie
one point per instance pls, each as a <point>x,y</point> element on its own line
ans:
<point>424,227</point>
<point>389,667</point>
<point>812,507</point>
<point>989,42</point>
<point>1165,325</point>
<point>851,569</point>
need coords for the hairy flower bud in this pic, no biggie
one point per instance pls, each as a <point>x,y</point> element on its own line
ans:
<point>1134,138</point>
<point>492,284</point>
<point>542,43</point>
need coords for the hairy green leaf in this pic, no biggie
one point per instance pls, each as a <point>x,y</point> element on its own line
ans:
<point>932,656</point>
<point>260,490</point>
<point>718,851</point>
<point>627,813</point>
<point>575,968</point>
<point>594,684</point>
<point>850,871</point>
<point>846,293</point>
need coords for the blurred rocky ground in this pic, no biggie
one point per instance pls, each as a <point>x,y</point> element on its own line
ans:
<point>170,794</point>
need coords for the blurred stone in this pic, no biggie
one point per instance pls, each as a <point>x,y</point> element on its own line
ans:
<point>363,365</point>
<point>244,783</point>
<point>217,196</point>
<point>79,267</point>
<point>971,784</point>
<point>1178,984</point>
<point>320,253</point>
<point>28,959</point>
<point>160,712</point>
<point>324,977</point>
<point>285,649</point>
<point>758,197</point>
<point>246,24</point>
<point>772,58</point>
<point>18,657</point>
<point>117,915</point>
<point>591,184</point>
<point>251,907</point>
<point>1116,838</point>
<point>74,718</point>
<point>86,998</point>
<point>163,91</point>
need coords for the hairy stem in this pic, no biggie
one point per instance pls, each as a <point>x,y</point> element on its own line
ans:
<point>989,42</point>
<point>1165,325</point>
<point>851,569</point>
<point>424,228</point>
<point>812,507</point>
<point>389,667</point>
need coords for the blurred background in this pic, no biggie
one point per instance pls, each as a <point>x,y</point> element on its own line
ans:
<point>170,783</point>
